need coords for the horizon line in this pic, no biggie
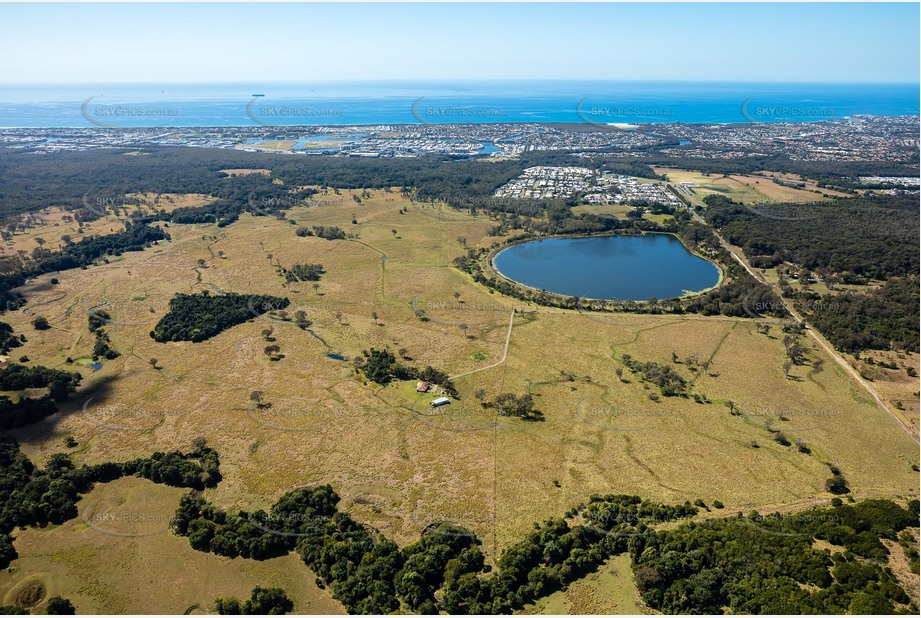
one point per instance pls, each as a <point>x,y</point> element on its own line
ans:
<point>462,79</point>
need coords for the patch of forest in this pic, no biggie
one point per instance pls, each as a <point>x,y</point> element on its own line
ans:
<point>31,496</point>
<point>849,240</point>
<point>882,319</point>
<point>770,565</point>
<point>854,239</point>
<point>750,564</point>
<point>135,237</point>
<point>197,317</point>
<point>26,410</point>
<point>381,367</point>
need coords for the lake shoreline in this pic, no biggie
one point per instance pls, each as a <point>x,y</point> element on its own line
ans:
<point>495,251</point>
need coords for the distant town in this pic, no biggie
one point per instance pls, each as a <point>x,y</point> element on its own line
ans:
<point>858,138</point>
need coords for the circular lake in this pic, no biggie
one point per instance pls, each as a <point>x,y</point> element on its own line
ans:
<point>608,267</point>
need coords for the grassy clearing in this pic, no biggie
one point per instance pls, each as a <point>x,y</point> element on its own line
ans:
<point>119,557</point>
<point>739,188</point>
<point>618,211</point>
<point>660,219</point>
<point>398,464</point>
<point>608,591</point>
<point>275,145</point>
<point>810,185</point>
<point>50,225</point>
<point>246,171</point>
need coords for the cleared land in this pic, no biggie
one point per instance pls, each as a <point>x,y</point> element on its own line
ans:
<point>398,464</point>
<point>615,210</point>
<point>739,188</point>
<point>275,145</point>
<point>796,179</point>
<point>246,172</point>
<point>608,591</point>
<point>47,227</point>
<point>119,557</point>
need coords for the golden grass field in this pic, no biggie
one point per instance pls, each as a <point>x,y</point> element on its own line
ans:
<point>740,188</point>
<point>119,557</point>
<point>275,145</point>
<point>397,464</point>
<point>51,224</point>
<point>246,172</point>
<point>811,185</point>
<point>608,591</point>
<point>615,210</point>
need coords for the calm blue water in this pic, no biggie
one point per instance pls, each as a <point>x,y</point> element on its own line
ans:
<point>184,105</point>
<point>608,267</point>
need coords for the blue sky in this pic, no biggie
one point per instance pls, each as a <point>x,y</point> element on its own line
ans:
<point>48,43</point>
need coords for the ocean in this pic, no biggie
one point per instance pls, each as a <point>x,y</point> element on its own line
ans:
<point>248,104</point>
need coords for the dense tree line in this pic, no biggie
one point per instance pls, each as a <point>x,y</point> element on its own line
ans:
<point>881,319</point>
<point>197,317</point>
<point>262,602</point>
<point>769,564</point>
<point>555,554</point>
<point>255,194</point>
<point>856,239</point>
<point>7,339</point>
<point>358,566</point>
<point>329,232</point>
<point>30,496</point>
<point>135,237</point>
<point>443,571</point>
<point>59,383</point>
<point>25,411</point>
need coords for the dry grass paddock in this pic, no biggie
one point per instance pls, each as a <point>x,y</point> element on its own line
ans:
<point>398,464</point>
